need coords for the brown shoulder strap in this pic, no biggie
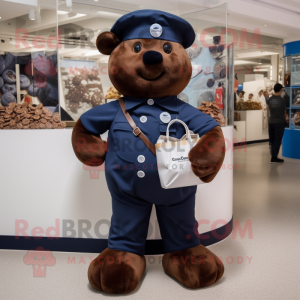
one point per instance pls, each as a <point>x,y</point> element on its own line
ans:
<point>136,131</point>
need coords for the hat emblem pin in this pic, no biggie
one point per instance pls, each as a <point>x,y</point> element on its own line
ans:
<point>156,30</point>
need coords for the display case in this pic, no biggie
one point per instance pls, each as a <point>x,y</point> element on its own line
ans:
<point>293,92</point>
<point>287,71</point>
<point>211,58</point>
<point>294,108</point>
<point>79,194</point>
<point>211,86</point>
<point>53,59</point>
<point>83,71</point>
<point>291,138</point>
<point>28,67</point>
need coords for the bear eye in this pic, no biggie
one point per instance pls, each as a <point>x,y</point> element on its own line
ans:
<point>137,47</point>
<point>167,48</point>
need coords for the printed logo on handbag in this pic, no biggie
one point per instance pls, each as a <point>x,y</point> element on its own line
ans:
<point>182,158</point>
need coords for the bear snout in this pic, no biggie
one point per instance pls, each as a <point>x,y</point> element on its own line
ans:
<point>152,57</point>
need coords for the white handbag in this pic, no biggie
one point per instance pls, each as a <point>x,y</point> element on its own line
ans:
<point>174,167</point>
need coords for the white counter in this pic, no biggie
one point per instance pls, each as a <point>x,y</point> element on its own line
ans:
<point>44,185</point>
<point>254,130</point>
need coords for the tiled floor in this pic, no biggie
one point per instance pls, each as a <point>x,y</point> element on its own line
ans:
<point>267,266</point>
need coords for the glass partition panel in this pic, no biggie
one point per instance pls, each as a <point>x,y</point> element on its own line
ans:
<point>295,70</point>
<point>28,55</point>
<point>208,88</point>
<point>287,71</point>
<point>83,69</point>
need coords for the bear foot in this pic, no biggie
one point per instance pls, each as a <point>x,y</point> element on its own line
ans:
<point>116,272</point>
<point>195,267</point>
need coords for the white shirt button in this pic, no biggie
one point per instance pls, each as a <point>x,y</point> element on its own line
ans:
<point>141,174</point>
<point>150,102</point>
<point>143,119</point>
<point>141,158</point>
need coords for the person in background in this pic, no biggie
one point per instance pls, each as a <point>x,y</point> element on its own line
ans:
<point>236,86</point>
<point>277,106</point>
<point>267,97</point>
<point>262,100</point>
<point>240,97</point>
<point>250,97</point>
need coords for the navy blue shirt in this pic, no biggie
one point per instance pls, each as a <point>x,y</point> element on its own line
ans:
<point>123,159</point>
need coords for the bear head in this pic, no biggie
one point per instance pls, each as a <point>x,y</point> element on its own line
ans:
<point>145,68</point>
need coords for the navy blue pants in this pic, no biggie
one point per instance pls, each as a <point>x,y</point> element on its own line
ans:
<point>130,221</point>
<point>276,131</point>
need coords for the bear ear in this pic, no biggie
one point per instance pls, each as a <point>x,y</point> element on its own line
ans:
<point>106,42</point>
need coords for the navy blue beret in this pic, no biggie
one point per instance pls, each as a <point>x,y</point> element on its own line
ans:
<point>154,24</point>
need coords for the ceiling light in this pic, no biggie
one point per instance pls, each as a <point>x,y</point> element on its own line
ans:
<point>69,3</point>
<point>38,17</point>
<point>61,12</point>
<point>104,59</point>
<point>244,62</point>
<point>108,14</point>
<point>255,54</point>
<point>103,29</point>
<point>0,17</point>
<point>262,66</point>
<point>32,14</point>
<point>265,25</point>
<point>261,70</point>
<point>92,53</point>
<point>274,6</point>
<point>72,15</point>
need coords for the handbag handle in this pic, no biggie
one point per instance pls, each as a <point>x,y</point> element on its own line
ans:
<point>185,126</point>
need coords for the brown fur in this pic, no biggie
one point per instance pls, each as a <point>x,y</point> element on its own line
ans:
<point>125,68</point>
<point>129,74</point>
<point>116,272</point>
<point>106,42</point>
<point>88,148</point>
<point>208,155</point>
<point>195,267</point>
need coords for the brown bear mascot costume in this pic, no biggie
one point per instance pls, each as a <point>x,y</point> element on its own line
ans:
<point>148,64</point>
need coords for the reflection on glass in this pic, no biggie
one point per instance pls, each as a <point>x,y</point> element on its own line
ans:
<point>52,51</point>
<point>84,81</point>
<point>295,70</point>
<point>208,89</point>
<point>287,71</point>
<point>29,54</point>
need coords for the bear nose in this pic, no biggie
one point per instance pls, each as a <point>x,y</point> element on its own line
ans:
<point>152,57</point>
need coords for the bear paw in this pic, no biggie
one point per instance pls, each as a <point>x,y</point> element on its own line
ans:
<point>195,267</point>
<point>116,272</point>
